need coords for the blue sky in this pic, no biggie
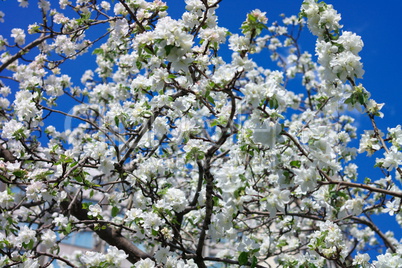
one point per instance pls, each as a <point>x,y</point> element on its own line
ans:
<point>377,22</point>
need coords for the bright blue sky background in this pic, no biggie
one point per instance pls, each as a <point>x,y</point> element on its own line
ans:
<point>377,22</point>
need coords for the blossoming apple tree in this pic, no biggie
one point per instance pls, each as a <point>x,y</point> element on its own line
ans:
<point>176,157</point>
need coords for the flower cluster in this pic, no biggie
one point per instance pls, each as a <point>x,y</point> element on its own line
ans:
<point>337,53</point>
<point>328,241</point>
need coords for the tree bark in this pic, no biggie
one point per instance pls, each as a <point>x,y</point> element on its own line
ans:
<point>6,154</point>
<point>110,235</point>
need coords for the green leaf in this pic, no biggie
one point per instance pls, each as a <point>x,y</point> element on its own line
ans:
<point>168,49</point>
<point>115,211</point>
<point>252,18</point>
<point>243,258</point>
<point>78,178</point>
<point>302,14</point>
<point>154,232</point>
<point>216,200</point>
<point>349,100</point>
<point>98,51</point>
<point>295,163</point>
<point>86,205</point>
<point>273,103</point>
<point>363,98</point>
<point>148,50</point>
<point>19,173</point>
<point>254,262</point>
<point>216,45</point>
<point>19,134</point>
<point>282,243</point>
<point>211,100</point>
<point>239,192</point>
<point>288,177</point>
<point>28,245</point>
<point>74,164</point>
<point>68,228</point>
<point>65,159</point>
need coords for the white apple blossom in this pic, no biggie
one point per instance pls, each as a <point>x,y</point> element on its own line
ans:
<point>63,3</point>
<point>25,105</point>
<point>350,42</point>
<point>44,5</point>
<point>392,207</point>
<point>147,263</point>
<point>14,129</point>
<point>152,221</point>
<point>18,35</point>
<point>255,93</point>
<point>369,143</point>
<point>306,179</point>
<point>6,199</point>
<point>49,238</point>
<point>95,210</point>
<point>328,240</point>
<point>3,43</point>
<point>194,5</point>
<point>388,260</point>
<point>239,43</point>
<point>23,3</point>
<point>91,258</point>
<point>393,159</point>
<point>35,190</point>
<point>162,255</point>
<point>105,5</point>
<point>60,220</point>
<point>115,256</point>
<point>353,206</point>
<point>361,259</point>
<point>174,199</point>
<point>25,236</point>
<point>133,214</point>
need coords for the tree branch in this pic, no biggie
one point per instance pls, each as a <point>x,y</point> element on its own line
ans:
<point>24,50</point>
<point>109,235</point>
<point>358,185</point>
